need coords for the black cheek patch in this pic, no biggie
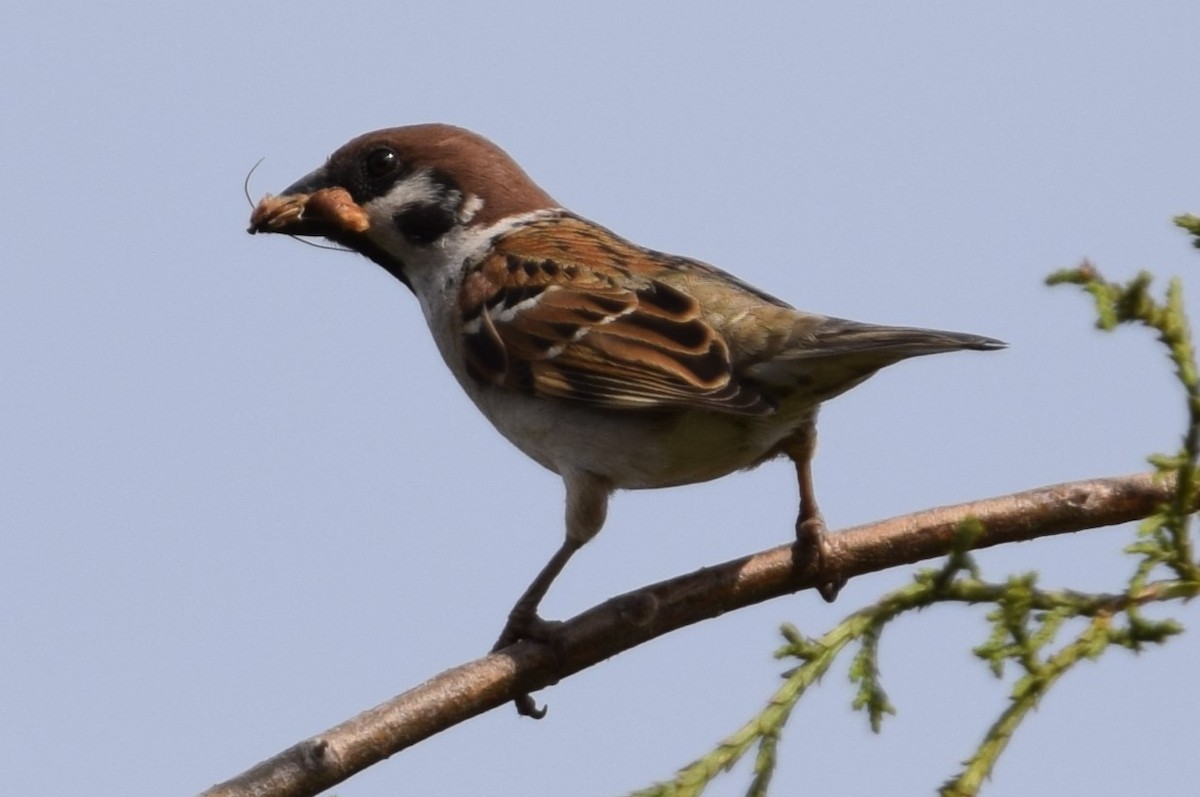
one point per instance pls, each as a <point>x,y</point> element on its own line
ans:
<point>423,224</point>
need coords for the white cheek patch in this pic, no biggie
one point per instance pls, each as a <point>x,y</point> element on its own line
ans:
<point>418,188</point>
<point>473,205</point>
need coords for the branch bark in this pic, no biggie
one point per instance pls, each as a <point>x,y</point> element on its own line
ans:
<point>628,620</point>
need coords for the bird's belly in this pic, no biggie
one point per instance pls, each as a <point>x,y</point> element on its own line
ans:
<point>636,449</point>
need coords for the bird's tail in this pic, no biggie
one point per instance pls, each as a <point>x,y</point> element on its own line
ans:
<point>837,337</point>
<point>832,355</point>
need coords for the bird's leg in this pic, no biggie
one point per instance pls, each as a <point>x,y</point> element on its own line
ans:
<point>811,533</point>
<point>523,621</point>
<point>587,505</point>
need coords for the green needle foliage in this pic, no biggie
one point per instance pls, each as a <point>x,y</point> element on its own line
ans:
<point>1028,624</point>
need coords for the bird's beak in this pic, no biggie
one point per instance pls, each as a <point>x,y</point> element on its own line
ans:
<point>311,206</point>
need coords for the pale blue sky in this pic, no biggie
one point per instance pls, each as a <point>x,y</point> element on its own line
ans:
<point>242,499</point>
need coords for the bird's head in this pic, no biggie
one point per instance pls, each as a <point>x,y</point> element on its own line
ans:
<point>406,197</point>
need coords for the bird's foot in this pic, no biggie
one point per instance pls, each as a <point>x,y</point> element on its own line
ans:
<point>812,543</point>
<point>524,624</point>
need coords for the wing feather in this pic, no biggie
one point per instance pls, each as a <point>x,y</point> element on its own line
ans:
<point>569,311</point>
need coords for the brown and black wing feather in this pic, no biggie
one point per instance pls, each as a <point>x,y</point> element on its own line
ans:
<point>566,310</point>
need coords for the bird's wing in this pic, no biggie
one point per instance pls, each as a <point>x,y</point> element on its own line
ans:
<point>563,309</point>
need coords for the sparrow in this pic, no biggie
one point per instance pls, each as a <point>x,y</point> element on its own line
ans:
<point>613,365</point>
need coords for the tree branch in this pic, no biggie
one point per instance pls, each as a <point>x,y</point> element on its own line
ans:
<point>628,620</point>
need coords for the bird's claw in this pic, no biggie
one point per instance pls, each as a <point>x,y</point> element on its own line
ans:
<point>526,625</point>
<point>812,542</point>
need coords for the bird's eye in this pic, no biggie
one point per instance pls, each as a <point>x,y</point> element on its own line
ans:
<point>381,162</point>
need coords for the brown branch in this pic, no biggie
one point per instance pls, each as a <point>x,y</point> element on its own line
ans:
<point>629,620</point>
